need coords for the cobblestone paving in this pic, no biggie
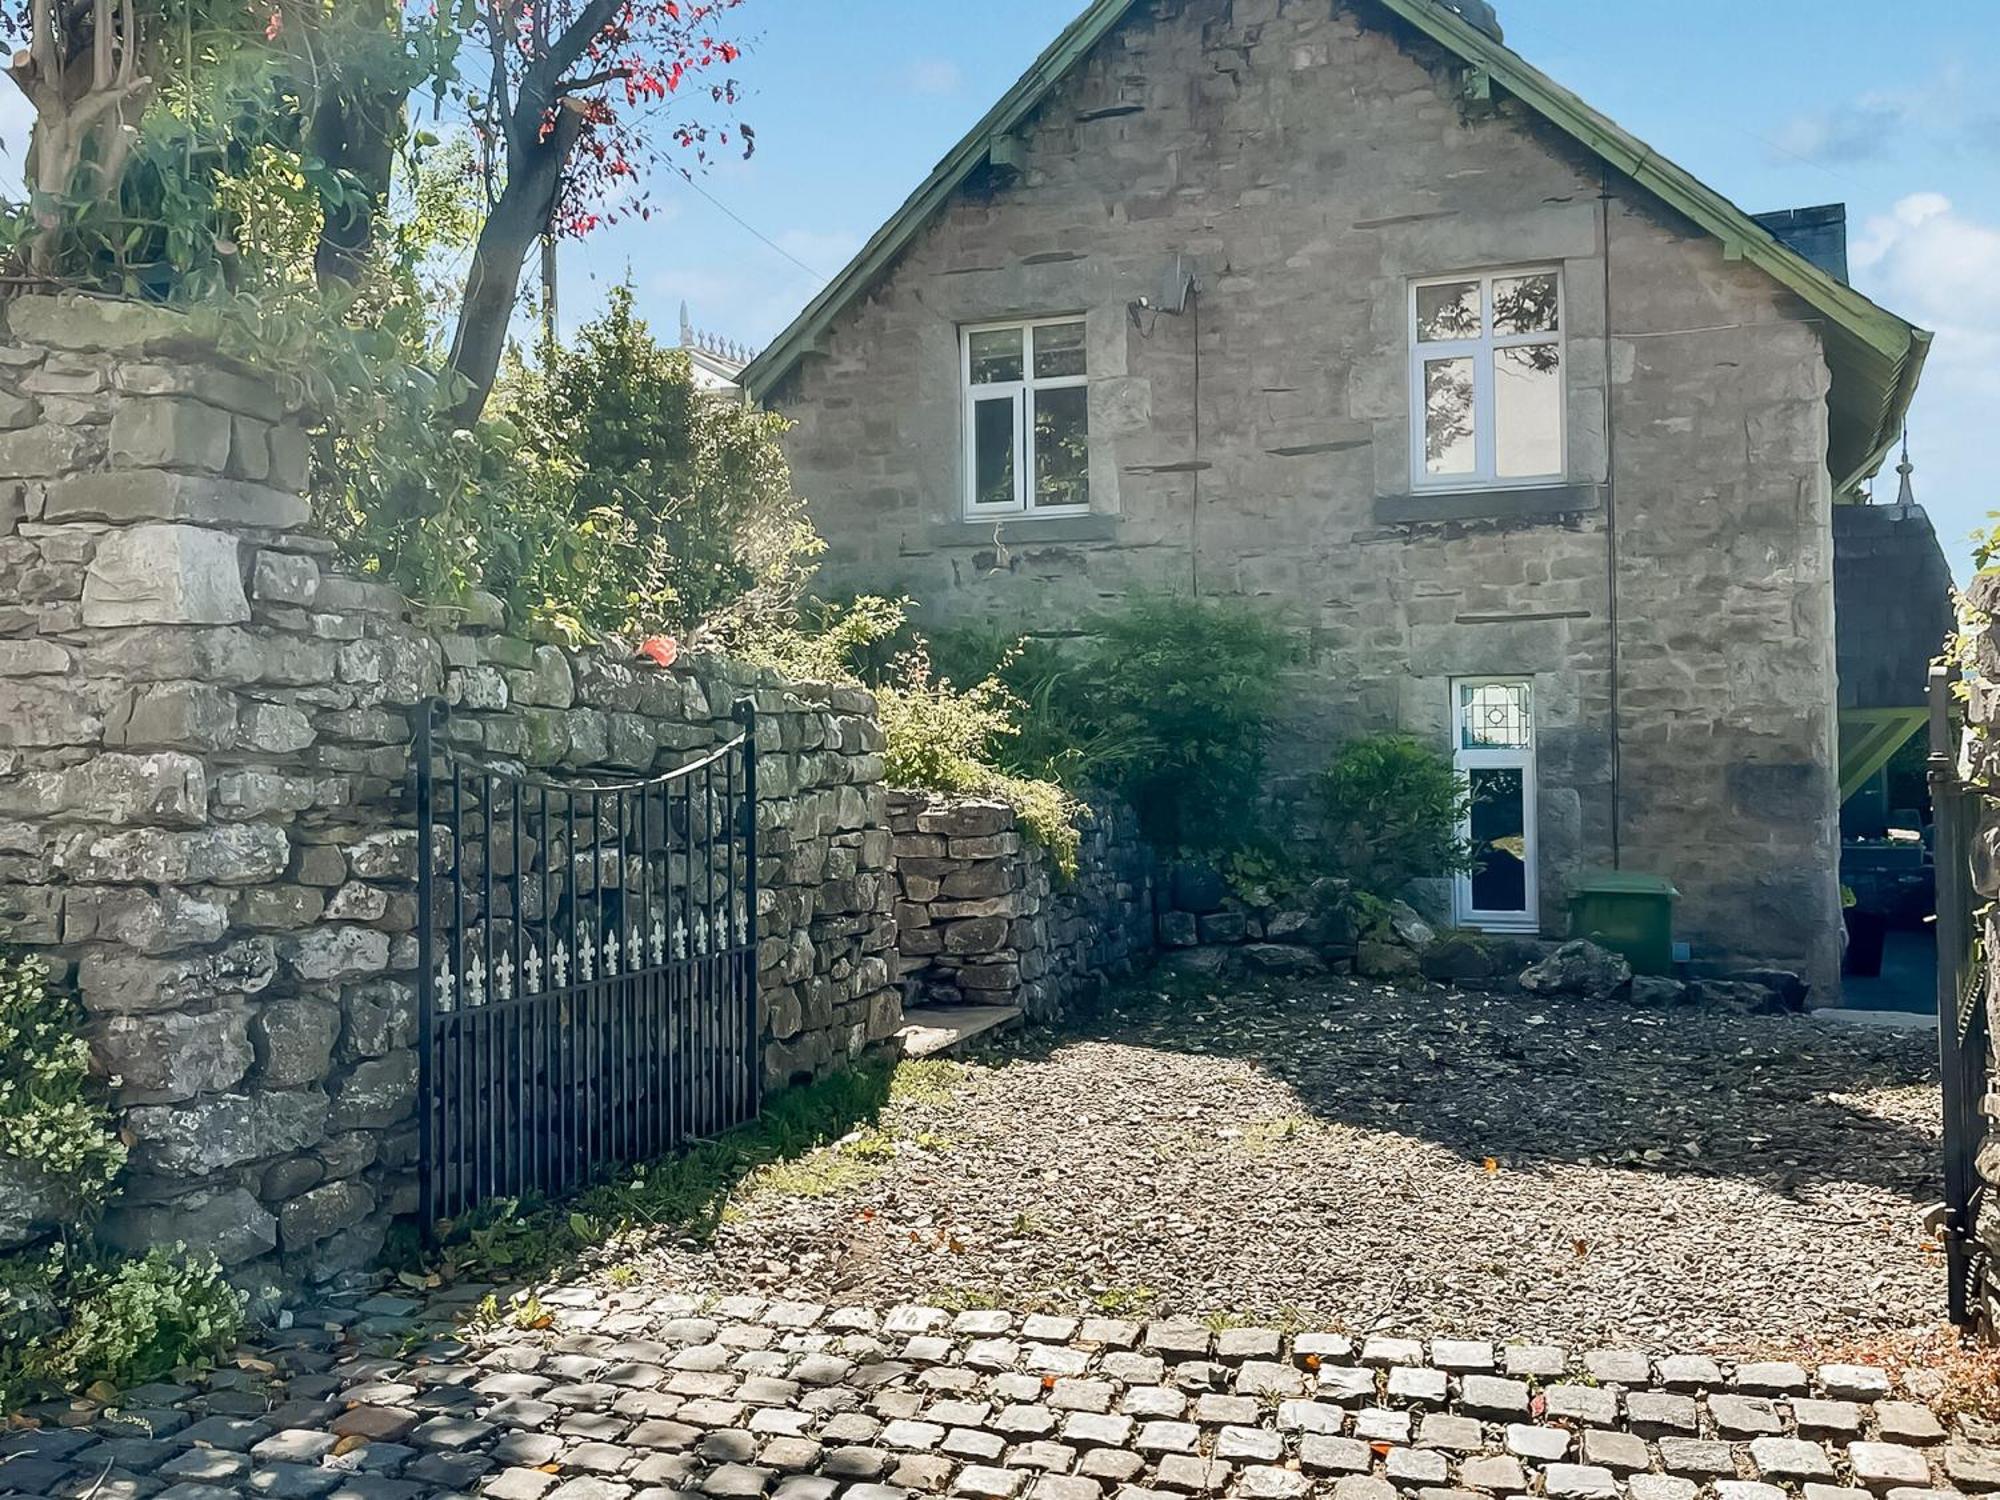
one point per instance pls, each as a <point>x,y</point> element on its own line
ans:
<point>629,1395</point>
<point>1342,1154</point>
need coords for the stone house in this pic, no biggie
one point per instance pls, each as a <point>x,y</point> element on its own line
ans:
<point>1342,307</point>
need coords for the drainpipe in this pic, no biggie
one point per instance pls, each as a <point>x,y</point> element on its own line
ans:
<point>1611,532</point>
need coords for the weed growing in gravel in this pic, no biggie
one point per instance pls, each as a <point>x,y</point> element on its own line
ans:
<point>1121,1301</point>
<point>1268,1135</point>
<point>820,1175</point>
<point>958,1299</point>
<point>931,1080</point>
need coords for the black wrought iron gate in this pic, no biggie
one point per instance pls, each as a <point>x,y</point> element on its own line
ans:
<point>588,990</point>
<point>1963,1026</point>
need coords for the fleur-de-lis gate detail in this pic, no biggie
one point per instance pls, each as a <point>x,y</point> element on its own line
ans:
<point>588,955</point>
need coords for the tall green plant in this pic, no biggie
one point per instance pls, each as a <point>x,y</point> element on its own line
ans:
<point>681,501</point>
<point>1192,686</point>
<point>1394,810</point>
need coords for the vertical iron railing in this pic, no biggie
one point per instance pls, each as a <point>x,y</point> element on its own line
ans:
<point>1963,1027</point>
<point>588,955</point>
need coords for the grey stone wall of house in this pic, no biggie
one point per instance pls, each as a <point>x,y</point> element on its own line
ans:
<point>1311,160</point>
<point>984,918</point>
<point>205,765</point>
<point>1894,591</point>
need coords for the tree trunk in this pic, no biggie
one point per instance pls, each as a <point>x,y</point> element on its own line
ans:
<point>357,136</point>
<point>525,208</point>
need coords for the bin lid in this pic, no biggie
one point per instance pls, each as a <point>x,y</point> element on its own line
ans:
<point>1625,883</point>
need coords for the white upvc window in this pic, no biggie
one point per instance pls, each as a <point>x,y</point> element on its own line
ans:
<point>1027,418</point>
<point>1493,748</point>
<point>1487,394</point>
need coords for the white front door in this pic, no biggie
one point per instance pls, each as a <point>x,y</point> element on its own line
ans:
<point>1493,747</point>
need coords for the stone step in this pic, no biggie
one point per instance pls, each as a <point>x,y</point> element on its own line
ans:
<point>935,1029</point>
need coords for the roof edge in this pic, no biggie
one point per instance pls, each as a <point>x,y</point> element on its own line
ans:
<point>887,242</point>
<point>1887,335</point>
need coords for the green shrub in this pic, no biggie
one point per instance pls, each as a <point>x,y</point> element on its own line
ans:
<point>942,738</point>
<point>70,1316</point>
<point>684,500</point>
<point>1190,687</point>
<point>141,1320</point>
<point>1058,737</point>
<point>50,1117</point>
<point>1394,810</point>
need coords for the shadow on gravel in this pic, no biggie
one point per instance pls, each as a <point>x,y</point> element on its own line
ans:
<point>1545,1083</point>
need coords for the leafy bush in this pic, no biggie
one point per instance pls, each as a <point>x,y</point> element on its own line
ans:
<point>50,1117</point>
<point>68,1316</point>
<point>1058,734</point>
<point>943,738</point>
<point>139,1320</point>
<point>1192,686</point>
<point>1394,810</point>
<point>682,501</point>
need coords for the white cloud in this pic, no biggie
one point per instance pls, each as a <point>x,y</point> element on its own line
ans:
<point>1940,268</point>
<point>1935,265</point>
<point>1850,133</point>
<point>934,75</point>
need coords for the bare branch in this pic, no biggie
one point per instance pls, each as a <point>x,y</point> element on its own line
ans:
<point>592,80</point>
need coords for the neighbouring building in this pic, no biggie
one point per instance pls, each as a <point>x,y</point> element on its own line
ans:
<point>717,362</point>
<point>1342,307</point>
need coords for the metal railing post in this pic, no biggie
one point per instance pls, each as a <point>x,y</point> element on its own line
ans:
<point>426,968</point>
<point>1960,1070</point>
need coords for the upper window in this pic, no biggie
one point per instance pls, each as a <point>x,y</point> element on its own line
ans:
<point>1027,418</point>
<point>1486,373</point>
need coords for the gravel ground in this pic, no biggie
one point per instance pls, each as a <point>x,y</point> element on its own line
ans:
<point>1346,1155</point>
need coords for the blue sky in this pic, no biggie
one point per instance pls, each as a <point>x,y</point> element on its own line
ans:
<point>1777,103</point>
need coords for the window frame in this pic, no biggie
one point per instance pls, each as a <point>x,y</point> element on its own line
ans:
<point>1485,473</point>
<point>1464,761</point>
<point>1021,393</point>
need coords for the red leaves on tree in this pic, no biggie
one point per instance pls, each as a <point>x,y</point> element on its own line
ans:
<point>626,93</point>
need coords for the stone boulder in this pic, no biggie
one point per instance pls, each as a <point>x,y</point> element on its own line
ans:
<point>1578,967</point>
<point>1459,958</point>
<point>1282,960</point>
<point>1377,958</point>
<point>1737,996</point>
<point>1788,989</point>
<point>1410,929</point>
<point>1652,990</point>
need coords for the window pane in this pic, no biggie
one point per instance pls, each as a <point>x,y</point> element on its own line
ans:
<point>1499,840</point>
<point>993,452</point>
<point>1495,716</point>
<point>1062,446</point>
<point>996,355</point>
<point>1527,410</point>
<point>1525,304</point>
<point>1450,311</point>
<point>1448,441</point>
<point>1058,350</point>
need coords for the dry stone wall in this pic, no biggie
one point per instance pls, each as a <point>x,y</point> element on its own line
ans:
<point>206,822</point>
<point>984,918</point>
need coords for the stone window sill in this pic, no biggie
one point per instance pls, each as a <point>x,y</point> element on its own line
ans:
<point>1019,530</point>
<point>1534,504</point>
